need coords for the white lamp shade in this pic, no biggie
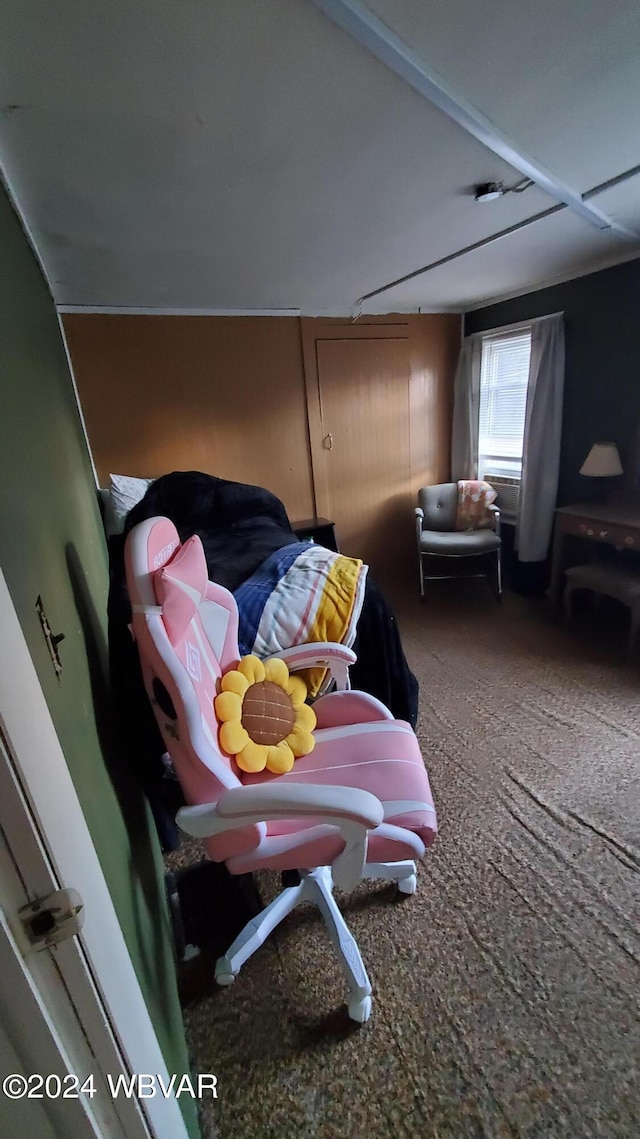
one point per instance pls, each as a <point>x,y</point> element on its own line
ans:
<point>603,461</point>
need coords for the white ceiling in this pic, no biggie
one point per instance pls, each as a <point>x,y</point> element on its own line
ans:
<point>251,155</point>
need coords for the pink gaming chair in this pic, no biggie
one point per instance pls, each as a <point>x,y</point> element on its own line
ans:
<point>359,806</point>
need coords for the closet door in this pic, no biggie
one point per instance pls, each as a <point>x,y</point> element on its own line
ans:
<point>360,386</point>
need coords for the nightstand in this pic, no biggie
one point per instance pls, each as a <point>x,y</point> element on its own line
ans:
<point>320,530</point>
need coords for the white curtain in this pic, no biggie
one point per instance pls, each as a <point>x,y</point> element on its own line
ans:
<point>466,411</point>
<point>542,436</point>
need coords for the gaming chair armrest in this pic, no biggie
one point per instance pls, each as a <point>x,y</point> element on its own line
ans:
<point>328,654</point>
<point>353,811</point>
<point>261,801</point>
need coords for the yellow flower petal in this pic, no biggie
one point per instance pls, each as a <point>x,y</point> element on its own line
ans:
<point>233,737</point>
<point>305,717</point>
<point>253,757</point>
<point>297,689</point>
<point>228,706</point>
<point>280,758</point>
<point>234,681</point>
<point>252,668</point>
<point>277,671</point>
<point>300,741</point>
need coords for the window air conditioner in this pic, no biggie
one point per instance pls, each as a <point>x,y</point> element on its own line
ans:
<point>508,491</point>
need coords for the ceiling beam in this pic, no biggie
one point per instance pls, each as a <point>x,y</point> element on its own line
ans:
<point>372,34</point>
<point>484,241</point>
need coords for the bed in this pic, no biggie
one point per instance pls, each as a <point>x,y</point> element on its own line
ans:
<point>241,528</point>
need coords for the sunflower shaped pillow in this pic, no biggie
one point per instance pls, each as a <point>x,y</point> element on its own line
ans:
<point>264,721</point>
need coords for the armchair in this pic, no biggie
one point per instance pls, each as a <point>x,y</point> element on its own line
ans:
<point>437,536</point>
<point>358,806</point>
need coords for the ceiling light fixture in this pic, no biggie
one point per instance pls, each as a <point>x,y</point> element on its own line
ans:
<point>489,191</point>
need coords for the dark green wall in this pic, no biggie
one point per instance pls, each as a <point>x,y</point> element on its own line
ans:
<point>51,543</point>
<point>602,376</point>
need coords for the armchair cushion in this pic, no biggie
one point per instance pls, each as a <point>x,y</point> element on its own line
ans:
<point>459,542</point>
<point>440,506</point>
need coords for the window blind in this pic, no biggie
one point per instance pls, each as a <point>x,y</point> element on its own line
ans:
<point>504,375</point>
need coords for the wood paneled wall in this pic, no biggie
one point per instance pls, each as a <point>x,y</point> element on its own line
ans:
<point>434,345</point>
<point>226,395</point>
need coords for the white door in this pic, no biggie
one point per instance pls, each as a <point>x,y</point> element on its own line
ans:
<point>76,1012</point>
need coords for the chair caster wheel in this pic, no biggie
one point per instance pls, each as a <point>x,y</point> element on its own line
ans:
<point>224,976</point>
<point>408,885</point>
<point>225,979</point>
<point>360,1009</point>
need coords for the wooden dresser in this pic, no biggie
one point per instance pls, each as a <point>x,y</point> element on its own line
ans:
<point>615,524</point>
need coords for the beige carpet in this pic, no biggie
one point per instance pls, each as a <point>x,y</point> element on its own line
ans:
<point>506,990</point>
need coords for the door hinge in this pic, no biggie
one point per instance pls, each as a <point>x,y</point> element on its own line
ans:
<point>55,918</point>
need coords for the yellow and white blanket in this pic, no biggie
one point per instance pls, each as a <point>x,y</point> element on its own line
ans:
<point>303,593</point>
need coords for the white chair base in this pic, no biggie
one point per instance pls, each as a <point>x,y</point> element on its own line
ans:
<point>317,886</point>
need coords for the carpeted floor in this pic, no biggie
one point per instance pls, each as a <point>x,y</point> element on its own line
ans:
<point>506,990</point>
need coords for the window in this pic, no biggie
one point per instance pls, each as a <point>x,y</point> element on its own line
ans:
<point>504,375</point>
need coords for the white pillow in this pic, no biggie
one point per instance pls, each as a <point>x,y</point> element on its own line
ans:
<point>125,492</point>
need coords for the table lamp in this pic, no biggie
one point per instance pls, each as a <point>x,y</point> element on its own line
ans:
<point>602,462</point>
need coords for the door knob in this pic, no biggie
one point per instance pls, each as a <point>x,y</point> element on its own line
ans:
<point>327,442</point>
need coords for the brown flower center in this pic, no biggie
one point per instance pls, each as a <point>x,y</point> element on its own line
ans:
<point>267,713</point>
